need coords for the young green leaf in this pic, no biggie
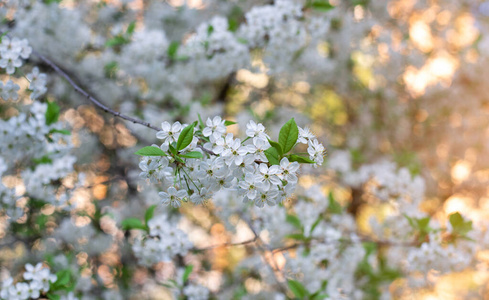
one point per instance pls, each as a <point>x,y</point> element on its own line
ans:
<point>149,213</point>
<point>117,41</point>
<point>192,154</point>
<point>43,160</point>
<point>300,159</point>
<point>132,223</point>
<point>333,206</point>
<point>185,137</point>
<point>272,156</point>
<point>294,220</point>
<point>210,30</point>
<point>3,34</point>
<point>201,123</point>
<point>61,131</point>
<point>52,296</point>
<point>110,69</point>
<point>315,224</point>
<point>289,133</point>
<point>63,278</point>
<point>172,148</point>
<point>187,272</point>
<point>459,225</point>
<point>228,123</point>
<point>296,236</point>
<point>131,27</point>
<point>319,296</point>
<point>172,50</point>
<point>150,151</point>
<point>321,5</point>
<point>297,288</point>
<point>423,224</point>
<point>276,146</point>
<point>52,113</point>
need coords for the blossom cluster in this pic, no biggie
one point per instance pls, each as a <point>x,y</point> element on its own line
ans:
<point>310,43</point>
<point>38,281</point>
<point>12,51</point>
<point>260,170</point>
<point>9,90</point>
<point>46,147</point>
<point>163,242</point>
<point>37,83</point>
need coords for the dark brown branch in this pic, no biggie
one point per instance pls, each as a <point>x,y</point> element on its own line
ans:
<point>84,93</point>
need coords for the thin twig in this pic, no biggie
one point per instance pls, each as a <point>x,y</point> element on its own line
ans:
<point>87,95</point>
<point>102,106</point>
<point>362,240</point>
<point>247,242</point>
<point>262,247</point>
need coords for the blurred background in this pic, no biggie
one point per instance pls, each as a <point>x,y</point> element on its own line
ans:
<point>402,81</point>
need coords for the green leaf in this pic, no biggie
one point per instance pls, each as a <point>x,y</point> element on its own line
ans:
<point>232,24</point>
<point>321,5</point>
<point>300,159</point>
<point>288,135</point>
<point>210,30</point>
<point>276,146</point>
<point>318,296</point>
<point>192,154</point>
<point>172,148</point>
<point>185,137</point>
<point>43,160</point>
<point>296,236</point>
<point>187,272</point>
<point>315,224</point>
<point>62,282</point>
<point>170,286</point>
<point>174,282</point>
<point>228,123</point>
<point>150,151</point>
<point>132,223</point>
<point>61,131</point>
<point>272,156</point>
<point>294,220</point>
<point>116,41</point>
<point>131,27</point>
<point>63,278</point>
<point>110,69</point>
<point>423,223</point>
<point>52,296</point>
<point>149,213</point>
<point>201,123</point>
<point>173,49</point>
<point>52,113</point>
<point>460,226</point>
<point>3,34</point>
<point>297,288</point>
<point>333,206</point>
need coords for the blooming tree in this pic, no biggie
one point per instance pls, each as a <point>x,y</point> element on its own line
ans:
<point>304,149</point>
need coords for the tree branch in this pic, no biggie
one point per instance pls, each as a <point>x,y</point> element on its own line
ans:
<point>87,95</point>
<point>243,243</point>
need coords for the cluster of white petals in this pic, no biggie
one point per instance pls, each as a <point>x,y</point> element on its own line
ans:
<point>163,242</point>
<point>38,280</point>
<point>226,163</point>
<point>12,51</point>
